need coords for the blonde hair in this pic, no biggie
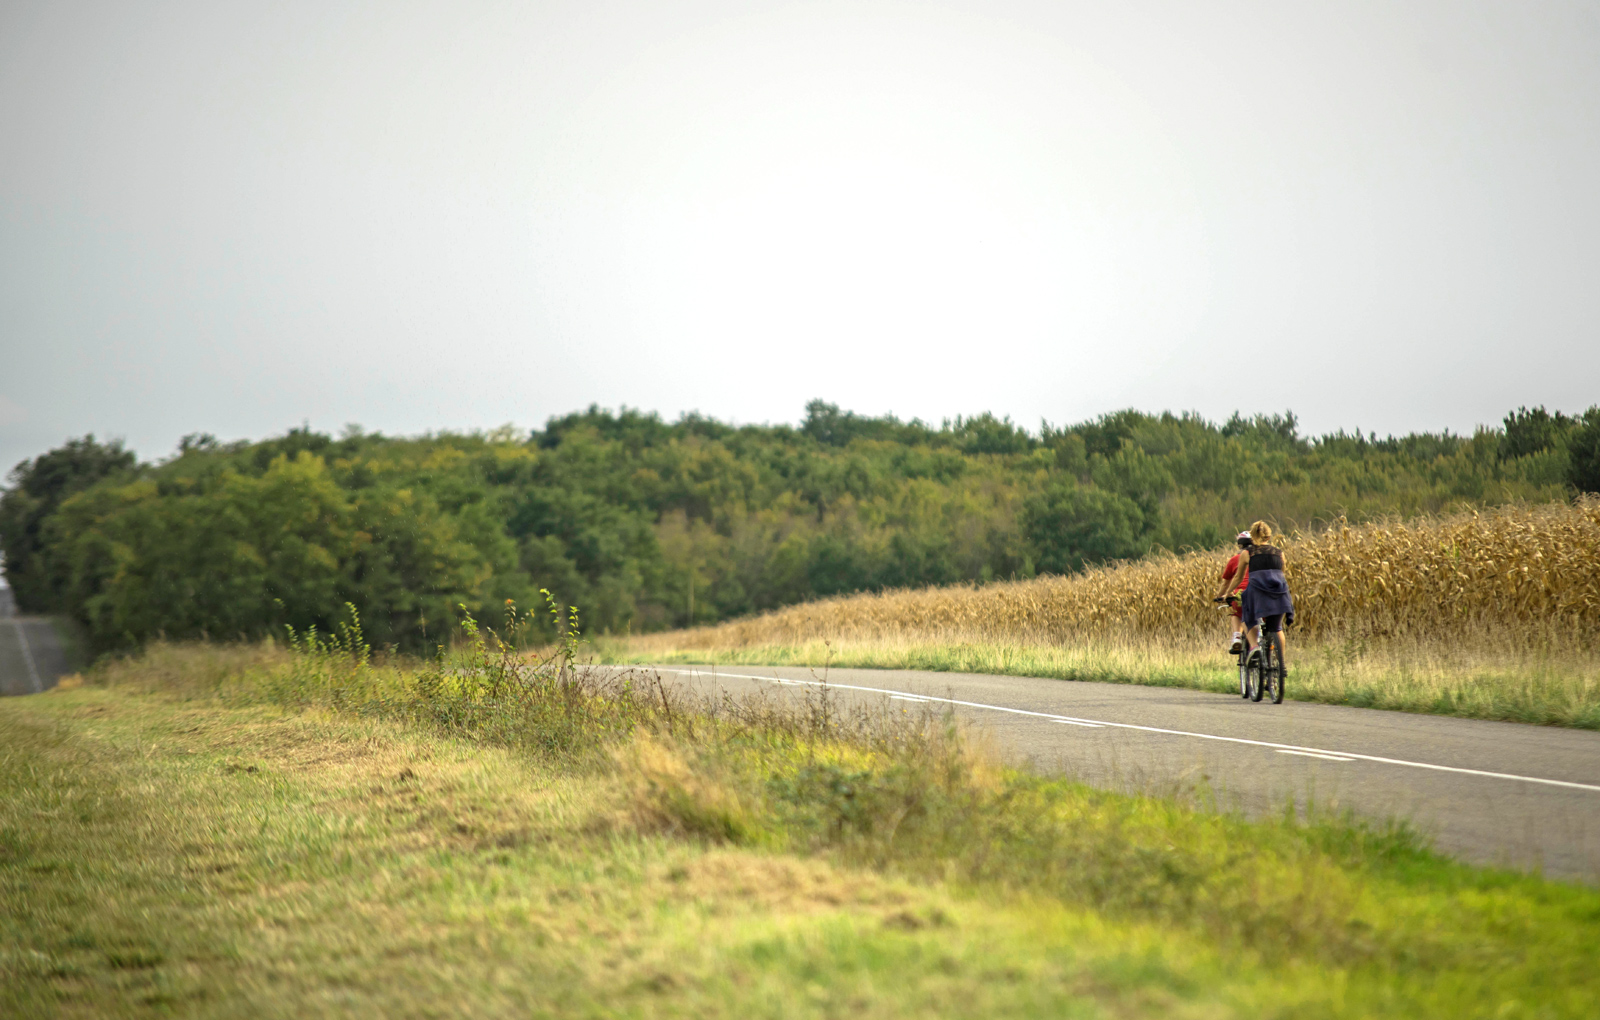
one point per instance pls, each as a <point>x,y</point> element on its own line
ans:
<point>1261,533</point>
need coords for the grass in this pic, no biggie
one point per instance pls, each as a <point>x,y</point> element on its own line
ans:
<point>216,831</point>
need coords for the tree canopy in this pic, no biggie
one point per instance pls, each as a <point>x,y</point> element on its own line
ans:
<point>646,524</point>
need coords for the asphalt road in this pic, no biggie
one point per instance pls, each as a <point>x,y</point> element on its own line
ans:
<point>31,656</point>
<point>1489,792</point>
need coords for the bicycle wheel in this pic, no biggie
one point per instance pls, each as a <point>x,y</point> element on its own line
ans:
<point>1280,675</point>
<point>1244,688</point>
<point>1252,676</point>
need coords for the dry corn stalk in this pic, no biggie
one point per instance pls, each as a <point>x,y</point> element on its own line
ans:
<point>1523,565</point>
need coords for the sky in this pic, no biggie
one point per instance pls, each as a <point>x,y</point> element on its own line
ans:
<point>234,218</point>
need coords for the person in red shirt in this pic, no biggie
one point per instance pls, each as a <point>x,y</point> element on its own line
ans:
<point>1234,578</point>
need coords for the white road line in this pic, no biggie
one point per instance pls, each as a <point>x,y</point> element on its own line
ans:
<point>1076,722</point>
<point>1349,755</point>
<point>27,656</point>
<point>1310,754</point>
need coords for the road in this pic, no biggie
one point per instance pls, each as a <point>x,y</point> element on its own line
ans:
<point>1488,792</point>
<point>31,656</point>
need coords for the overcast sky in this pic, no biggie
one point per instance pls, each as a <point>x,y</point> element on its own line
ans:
<point>232,217</point>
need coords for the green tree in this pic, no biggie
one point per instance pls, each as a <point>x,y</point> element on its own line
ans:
<point>1583,450</point>
<point>245,554</point>
<point>1070,527</point>
<point>1529,432</point>
<point>1137,476</point>
<point>987,434</point>
<point>38,488</point>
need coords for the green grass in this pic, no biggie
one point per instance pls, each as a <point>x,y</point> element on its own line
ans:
<point>1543,687</point>
<point>221,832</point>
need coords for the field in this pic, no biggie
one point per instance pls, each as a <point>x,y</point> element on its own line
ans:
<point>215,831</point>
<point>1490,614</point>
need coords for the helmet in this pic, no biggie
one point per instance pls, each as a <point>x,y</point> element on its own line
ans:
<point>1243,539</point>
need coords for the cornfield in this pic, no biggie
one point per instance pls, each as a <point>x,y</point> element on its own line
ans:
<point>1517,570</point>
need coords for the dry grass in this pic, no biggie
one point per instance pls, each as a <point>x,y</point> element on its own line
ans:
<point>1491,614</point>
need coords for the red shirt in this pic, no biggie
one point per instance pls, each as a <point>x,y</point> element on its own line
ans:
<point>1234,568</point>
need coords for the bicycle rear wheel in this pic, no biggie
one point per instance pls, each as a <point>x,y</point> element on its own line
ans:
<point>1244,688</point>
<point>1252,676</point>
<point>1280,675</point>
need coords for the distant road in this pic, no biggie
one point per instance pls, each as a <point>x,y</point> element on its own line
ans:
<point>1489,792</point>
<point>31,656</point>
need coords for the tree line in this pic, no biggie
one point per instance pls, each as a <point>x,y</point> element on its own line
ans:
<point>647,524</point>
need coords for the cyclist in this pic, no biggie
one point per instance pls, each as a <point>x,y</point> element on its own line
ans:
<point>1267,603</point>
<point>1234,578</point>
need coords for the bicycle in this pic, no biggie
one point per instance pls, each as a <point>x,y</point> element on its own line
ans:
<point>1228,602</point>
<point>1263,668</point>
<point>1260,668</point>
